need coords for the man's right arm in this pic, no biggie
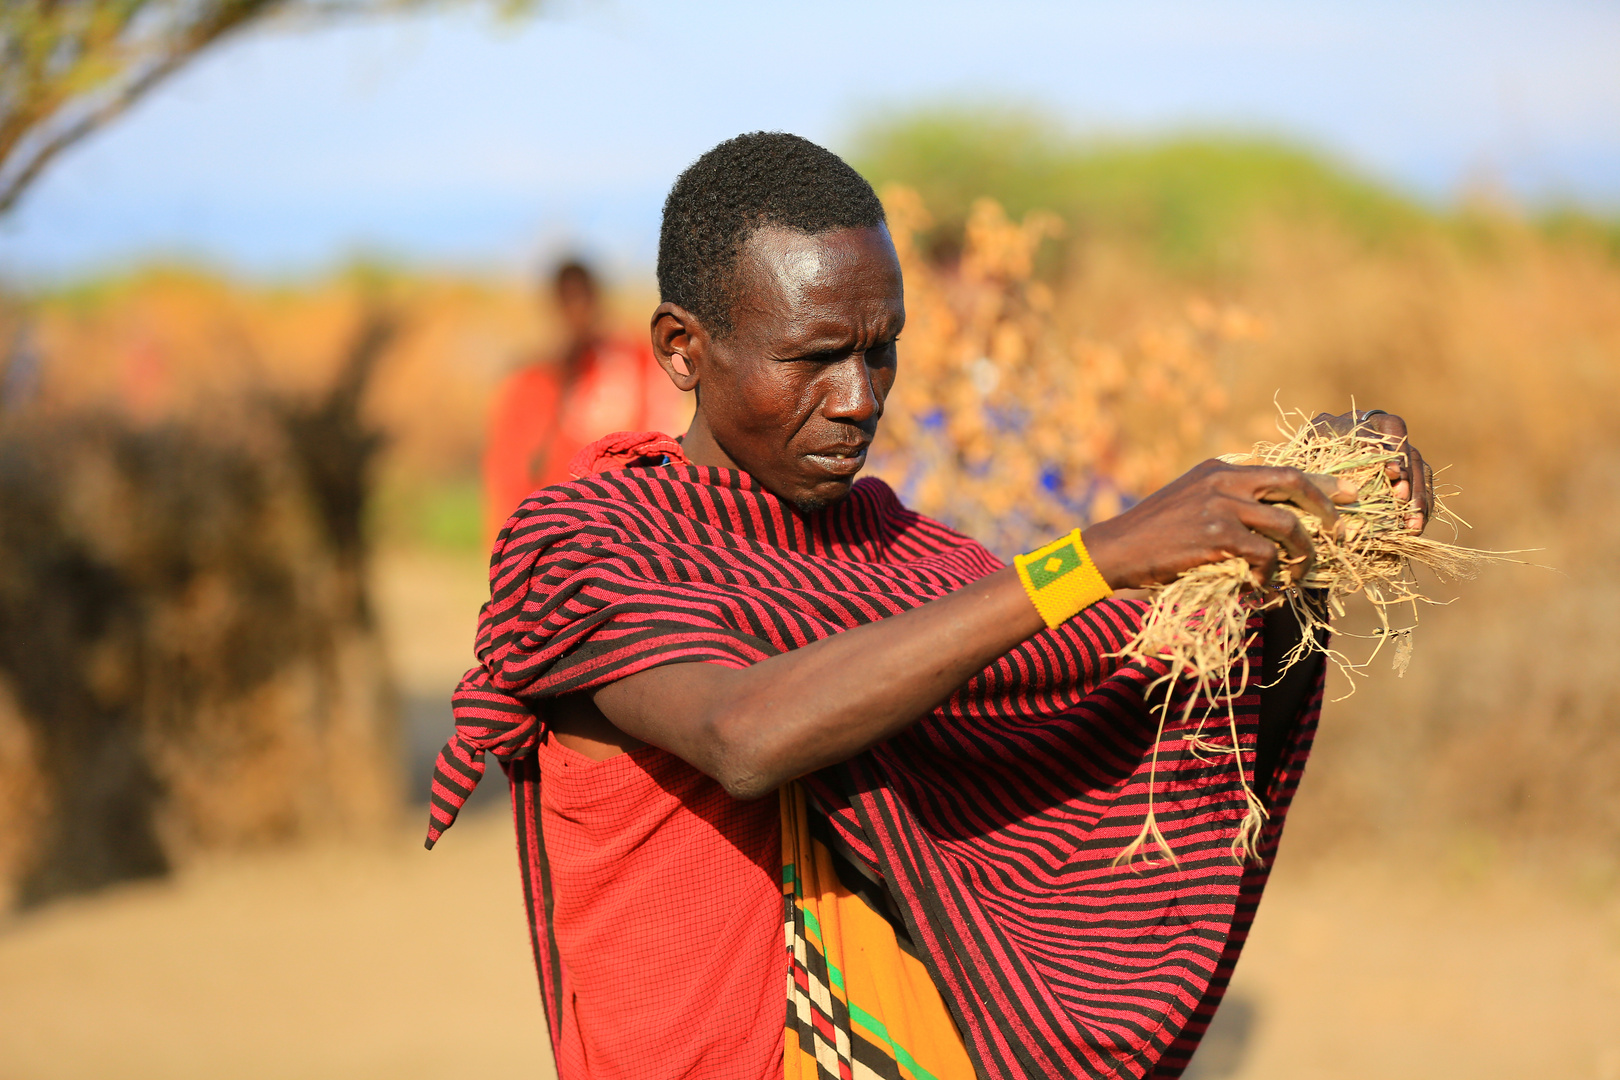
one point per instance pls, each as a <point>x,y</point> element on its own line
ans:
<point>755,728</point>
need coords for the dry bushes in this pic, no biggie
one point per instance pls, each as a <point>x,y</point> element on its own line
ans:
<point>1043,385</point>
<point>169,344</point>
<point>189,482</point>
<point>1012,418</point>
<point>186,655</point>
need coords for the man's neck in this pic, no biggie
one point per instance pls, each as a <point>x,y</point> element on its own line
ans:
<point>701,448</point>
<point>579,349</point>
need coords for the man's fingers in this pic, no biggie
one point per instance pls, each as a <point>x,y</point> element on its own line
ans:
<point>1384,423</point>
<point>1334,425</point>
<point>1282,527</point>
<point>1274,485</point>
<point>1260,552</point>
<point>1413,486</point>
<point>1423,489</point>
<point>1390,431</point>
<point>1410,476</point>
<point>1340,490</point>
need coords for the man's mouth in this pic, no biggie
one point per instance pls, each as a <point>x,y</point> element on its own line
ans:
<point>840,460</point>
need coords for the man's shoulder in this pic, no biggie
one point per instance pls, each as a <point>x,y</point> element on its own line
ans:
<point>873,494</point>
<point>596,496</point>
<point>571,516</point>
<point>875,504</point>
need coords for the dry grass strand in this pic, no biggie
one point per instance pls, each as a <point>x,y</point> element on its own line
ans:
<point>1197,623</point>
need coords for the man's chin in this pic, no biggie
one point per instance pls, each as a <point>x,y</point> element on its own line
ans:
<point>820,497</point>
<point>807,491</point>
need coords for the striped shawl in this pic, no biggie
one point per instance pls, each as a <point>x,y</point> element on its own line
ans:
<point>993,822</point>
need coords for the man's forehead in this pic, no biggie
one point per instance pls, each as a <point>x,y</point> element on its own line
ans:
<point>796,258</point>
<point>795,267</point>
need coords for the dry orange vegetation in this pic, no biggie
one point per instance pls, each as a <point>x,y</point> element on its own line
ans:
<point>173,343</point>
<point>1014,418</point>
<point>1501,347</point>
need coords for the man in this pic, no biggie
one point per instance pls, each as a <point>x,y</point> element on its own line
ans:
<point>545,412</point>
<point>747,702</point>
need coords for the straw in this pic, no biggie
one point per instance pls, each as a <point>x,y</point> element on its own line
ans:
<point>1197,624</point>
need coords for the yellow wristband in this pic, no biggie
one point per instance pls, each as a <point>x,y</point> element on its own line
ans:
<point>1061,579</point>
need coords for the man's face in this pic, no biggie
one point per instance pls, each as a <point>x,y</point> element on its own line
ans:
<point>794,393</point>
<point>577,303</point>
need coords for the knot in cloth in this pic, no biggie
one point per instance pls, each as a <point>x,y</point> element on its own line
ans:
<point>489,718</point>
<point>486,719</point>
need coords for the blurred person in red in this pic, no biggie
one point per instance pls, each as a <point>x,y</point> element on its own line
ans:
<point>552,407</point>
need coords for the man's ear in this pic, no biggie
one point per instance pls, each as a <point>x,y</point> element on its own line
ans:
<point>679,340</point>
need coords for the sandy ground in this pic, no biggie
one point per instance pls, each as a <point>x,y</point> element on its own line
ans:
<point>377,959</point>
<point>1378,970</point>
<point>356,961</point>
<point>385,961</point>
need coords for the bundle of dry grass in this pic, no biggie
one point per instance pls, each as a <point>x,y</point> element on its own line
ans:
<point>1198,623</point>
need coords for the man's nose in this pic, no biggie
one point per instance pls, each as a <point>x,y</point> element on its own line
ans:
<point>851,395</point>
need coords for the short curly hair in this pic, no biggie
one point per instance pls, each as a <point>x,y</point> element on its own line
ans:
<point>759,179</point>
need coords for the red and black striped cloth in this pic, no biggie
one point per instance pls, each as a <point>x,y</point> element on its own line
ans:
<point>994,822</point>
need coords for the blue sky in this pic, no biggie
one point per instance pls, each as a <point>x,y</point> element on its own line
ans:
<point>456,140</point>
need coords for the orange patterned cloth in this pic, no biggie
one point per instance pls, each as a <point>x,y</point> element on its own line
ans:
<point>859,1002</point>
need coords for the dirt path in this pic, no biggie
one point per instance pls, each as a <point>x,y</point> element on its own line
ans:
<point>380,960</point>
<point>1368,971</point>
<point>385,961</point>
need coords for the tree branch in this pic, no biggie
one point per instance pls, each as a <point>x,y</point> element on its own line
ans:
<point>230,18</point>
<point>41,89</point>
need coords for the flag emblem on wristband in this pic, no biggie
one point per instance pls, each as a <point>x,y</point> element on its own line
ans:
<point>1060,579</point>
<point>1063,561</point>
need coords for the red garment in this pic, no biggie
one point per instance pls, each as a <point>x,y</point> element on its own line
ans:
<point>668,920</point>
<point>537,424</point>
<point>993,823</point>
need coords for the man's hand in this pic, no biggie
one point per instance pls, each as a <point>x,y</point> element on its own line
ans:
<point>1213,513</point>
<point>1403,474</point>
<point>1218,511</point>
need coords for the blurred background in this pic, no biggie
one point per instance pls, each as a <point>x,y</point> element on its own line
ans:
<point>266,266</point>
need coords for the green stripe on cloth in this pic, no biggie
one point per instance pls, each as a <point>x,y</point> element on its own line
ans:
<point>867,1020</point>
